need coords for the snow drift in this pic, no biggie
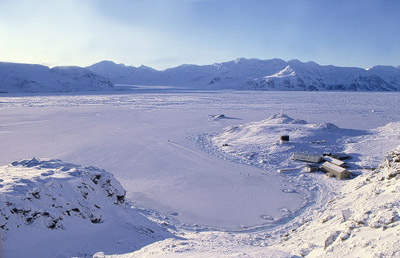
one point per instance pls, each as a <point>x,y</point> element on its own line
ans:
<point>58,208</point>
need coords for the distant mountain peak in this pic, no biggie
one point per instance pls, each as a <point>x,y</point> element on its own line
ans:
<point>288,71</point>
<point>239,59</point>
<point>382,68</point>
<point>145,68</point>
<point>106,62</point>
<point>109,63</point>
<point>295,61</point>
<point>218,65</point>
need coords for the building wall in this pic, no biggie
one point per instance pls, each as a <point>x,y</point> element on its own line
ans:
<point>339,172</point>
<point>306,157</point>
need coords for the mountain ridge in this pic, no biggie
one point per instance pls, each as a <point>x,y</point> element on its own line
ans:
<point>256,74</point>
<point>239,74</point>
<point>33,78</point>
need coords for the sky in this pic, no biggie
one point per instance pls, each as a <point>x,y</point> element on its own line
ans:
<point>167,33</point>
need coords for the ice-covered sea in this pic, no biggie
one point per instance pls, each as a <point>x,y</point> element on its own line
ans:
<point>144,139</point>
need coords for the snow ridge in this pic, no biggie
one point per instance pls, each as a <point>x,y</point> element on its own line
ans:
<point>288,71</point>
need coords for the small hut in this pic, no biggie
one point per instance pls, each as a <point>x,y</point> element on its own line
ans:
<point>306,157</point>
<point>312,167</point>
<point>334,161</point>
<point>337,171</point>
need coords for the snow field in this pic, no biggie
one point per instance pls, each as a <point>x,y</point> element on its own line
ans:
<point>144,140</point>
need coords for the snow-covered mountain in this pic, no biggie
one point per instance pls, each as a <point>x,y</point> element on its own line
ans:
<point>255,74</point>
<point>311,76</point>
<point>245,74</point>
<point>232,74</point>
<point>38,78</point>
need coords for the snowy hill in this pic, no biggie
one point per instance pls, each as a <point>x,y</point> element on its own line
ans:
<point>255,74</point>
<point>59,209</point>
<point>37,78</point>
<point>257,143</point>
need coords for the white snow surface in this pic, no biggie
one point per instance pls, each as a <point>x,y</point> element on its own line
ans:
<point>50,208</point>
<point>361,220</point>
<point>158,146</point>
<point>288,71</point>
<point>259,144</point>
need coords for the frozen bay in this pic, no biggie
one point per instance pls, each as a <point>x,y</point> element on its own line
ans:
<point>143,139</point>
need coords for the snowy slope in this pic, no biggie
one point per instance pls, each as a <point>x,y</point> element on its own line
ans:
<point>37,78</point>
<point>255,74</point>
<point>361,221</point>
<point>58,208</point>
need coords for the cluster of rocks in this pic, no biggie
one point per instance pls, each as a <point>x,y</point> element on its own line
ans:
<point>48,192</point>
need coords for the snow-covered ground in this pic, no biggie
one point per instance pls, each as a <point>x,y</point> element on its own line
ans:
<point>50,208</point>
<point>361,220</point>
<point>154,144</point>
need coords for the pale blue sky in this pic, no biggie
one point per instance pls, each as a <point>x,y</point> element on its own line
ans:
<point>166,33</point>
